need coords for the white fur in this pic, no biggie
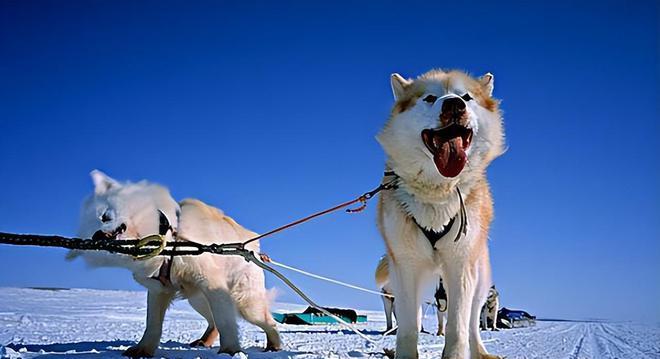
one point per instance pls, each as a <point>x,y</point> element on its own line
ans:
<point>431,198</point>
<point>218,287</point>
<point>383,282</point>
<point>388,307</point>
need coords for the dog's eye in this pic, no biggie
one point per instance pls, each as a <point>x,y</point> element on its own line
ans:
<point>105,217</point>
<point>466,97</point>
<point>430,99</point>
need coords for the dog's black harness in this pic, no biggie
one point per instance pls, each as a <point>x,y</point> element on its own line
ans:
<point>434,236</point>
<point>164,275</point>
<point>440,292</point>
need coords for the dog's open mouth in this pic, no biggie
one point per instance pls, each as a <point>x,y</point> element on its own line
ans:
<point>448,146</point>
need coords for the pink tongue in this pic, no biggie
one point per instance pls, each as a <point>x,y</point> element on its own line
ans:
<point>450,157</point>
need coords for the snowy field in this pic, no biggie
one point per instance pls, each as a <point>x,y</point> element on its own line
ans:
<point>85,323</point>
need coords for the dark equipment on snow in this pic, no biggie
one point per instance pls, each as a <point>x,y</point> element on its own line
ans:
<point>314,316</point>
<point>509,319</point>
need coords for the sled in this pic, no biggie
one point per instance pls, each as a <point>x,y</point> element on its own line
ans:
<point>509,319</point>
<point>312,316</point>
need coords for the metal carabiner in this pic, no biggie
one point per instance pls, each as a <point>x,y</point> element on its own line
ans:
<point>148,239</point>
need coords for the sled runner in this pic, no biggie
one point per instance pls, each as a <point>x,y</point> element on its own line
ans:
<point>313,316</point>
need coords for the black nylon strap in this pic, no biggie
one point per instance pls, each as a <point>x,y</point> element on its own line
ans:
<point>432,235</point>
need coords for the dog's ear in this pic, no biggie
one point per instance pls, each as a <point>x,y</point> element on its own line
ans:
<point>102,182</point>
<point>488,82</point>
<point>399,85</point>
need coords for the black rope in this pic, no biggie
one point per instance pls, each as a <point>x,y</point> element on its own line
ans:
<point>134,248</point>
<point>119,246</point>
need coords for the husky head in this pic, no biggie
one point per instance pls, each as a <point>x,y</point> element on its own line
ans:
<point>119,211</point>
<point>444,127</point>
<point>493,293</point>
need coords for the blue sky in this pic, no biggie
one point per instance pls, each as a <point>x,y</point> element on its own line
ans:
<point>269,111</point>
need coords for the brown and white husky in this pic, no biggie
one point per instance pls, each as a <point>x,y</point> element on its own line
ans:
<point>490,309</point>
<point>444,130</point>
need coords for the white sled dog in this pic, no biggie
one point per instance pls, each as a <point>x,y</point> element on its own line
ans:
<point>218,287</point>
<point>490,309</point>
<point>444,130</point>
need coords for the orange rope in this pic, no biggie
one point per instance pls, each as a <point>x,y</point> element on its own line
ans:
<point>362,199</point>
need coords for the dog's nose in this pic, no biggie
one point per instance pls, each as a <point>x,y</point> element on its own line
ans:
<point>453,107</point>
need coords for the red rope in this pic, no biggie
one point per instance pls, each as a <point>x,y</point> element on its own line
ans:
<point>362,199</point>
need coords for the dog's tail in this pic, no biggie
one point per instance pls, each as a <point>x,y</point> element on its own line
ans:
<point>382,274</point>
<point>271,295</point>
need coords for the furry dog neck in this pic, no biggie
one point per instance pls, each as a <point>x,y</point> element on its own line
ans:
<point>432,205</point>
<point>456,225</point>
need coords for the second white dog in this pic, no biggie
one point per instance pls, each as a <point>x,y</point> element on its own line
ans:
<point>218,287</point>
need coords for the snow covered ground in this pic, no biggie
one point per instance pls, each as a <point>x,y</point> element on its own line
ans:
<point>85,323</point>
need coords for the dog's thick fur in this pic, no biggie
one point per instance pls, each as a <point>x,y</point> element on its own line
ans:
<point>382,281</point>
<point>490,309</point>
<point>425,196</point>
<point>218,287</point>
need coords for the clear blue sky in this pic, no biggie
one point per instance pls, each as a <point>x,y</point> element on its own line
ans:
<point>269,111</point>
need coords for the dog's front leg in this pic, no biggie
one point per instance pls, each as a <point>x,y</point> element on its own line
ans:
<point>157,303</point>
<point>406,287</point>
<point>494,327</point>
<point>441,322</point>
<point>461,285</point>
<point>484,318</point>
<point>494,313</point>
<point>479,309</point>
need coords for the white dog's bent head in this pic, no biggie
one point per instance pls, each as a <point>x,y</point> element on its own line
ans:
<point>444,127</point>
<point>123,211</point>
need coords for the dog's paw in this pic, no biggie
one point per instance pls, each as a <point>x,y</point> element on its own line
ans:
<point>138,352</point>
<point>440,334</point>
